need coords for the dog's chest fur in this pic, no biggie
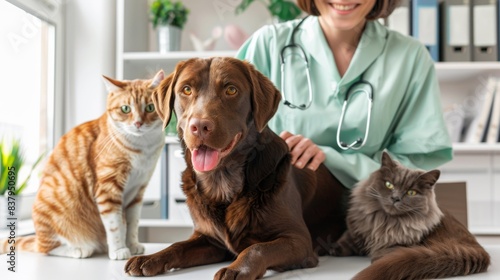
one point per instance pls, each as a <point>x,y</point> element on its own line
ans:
<point>229,222</point>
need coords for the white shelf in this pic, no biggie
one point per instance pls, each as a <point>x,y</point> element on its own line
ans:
<point>159,223</point>
<point>492,230</point>
<point>490,65</point>
<point>171,139</point>
<point>475,148</point>
<point>457,71</point>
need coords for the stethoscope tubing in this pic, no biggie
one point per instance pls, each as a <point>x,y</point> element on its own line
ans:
<point>360,142</point>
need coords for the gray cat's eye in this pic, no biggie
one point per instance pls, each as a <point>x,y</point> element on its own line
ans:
<point>412,192</point>
<point>126,109</point>
<point>150,108</point>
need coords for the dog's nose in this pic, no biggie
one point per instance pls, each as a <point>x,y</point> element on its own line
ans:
<point>201,127</point>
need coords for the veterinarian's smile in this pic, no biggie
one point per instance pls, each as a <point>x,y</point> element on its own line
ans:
<point>205,158</point>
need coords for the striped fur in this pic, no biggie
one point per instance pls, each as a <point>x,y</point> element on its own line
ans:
<point>407,236</point>
<point>92,186</point>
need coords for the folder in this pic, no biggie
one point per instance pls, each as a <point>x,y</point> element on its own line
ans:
<point>399,20</point>
<point>493,129</point>
<point>454,118</point>
<point>484,30</point>
<point>479,125</point>
<point>456,23</point>
<point>425,25</point>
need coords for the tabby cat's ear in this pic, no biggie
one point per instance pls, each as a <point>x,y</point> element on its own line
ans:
<point>387,160</point>
<point>157,79</point>
<point>430,178</point>
<point>112,84</point>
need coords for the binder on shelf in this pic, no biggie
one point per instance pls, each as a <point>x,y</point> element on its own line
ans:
<point>399,20</point>
<point>425,25</point>
<point>456,25</point>
<point>479,126</point>
<point>484,30</point>
<point>454,119</point>
<point>493,128</point>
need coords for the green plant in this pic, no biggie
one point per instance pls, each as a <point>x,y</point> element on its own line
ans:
<point>11,161</point>
<point>166,12</point>
<point>282,9</point>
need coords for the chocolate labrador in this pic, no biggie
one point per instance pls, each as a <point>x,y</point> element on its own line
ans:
<point>247,202</point>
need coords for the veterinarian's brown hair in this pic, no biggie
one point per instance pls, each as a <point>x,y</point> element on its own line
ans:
<point>381,9</point>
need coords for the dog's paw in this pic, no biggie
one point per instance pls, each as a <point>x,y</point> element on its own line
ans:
<point>120,254</point>
<point>144,266</point>
<point>228,273</point>
<point>136,249</point>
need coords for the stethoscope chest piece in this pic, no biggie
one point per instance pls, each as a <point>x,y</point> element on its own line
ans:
<point>359,87</point>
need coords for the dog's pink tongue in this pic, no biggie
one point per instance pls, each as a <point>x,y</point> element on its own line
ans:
<point>205,159</point>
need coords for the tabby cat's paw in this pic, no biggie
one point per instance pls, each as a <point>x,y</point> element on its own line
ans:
<point>72,252</point>
<point>120,254</point>
<point>136,249</point>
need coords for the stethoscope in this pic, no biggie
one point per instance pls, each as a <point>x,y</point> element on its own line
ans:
<point>359,86</point>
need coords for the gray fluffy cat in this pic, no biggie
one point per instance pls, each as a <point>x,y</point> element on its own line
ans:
<point>394,218</point>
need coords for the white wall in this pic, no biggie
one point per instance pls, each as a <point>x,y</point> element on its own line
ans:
<point>90,53</point>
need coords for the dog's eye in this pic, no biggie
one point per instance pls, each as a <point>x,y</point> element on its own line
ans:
<point>187,90</point>
<point>231,90</point>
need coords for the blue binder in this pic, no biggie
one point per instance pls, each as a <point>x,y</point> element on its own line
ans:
<point>425,25</point>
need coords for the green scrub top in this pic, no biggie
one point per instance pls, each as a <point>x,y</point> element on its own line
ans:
<point>406,118</point>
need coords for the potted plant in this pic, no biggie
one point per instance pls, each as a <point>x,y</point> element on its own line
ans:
<point>168,19</point>
<point>11,186</point>
<point>282,10</point>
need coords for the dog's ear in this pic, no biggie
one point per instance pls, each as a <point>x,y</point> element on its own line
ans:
<point>265,97</point>
<point>164,96</point>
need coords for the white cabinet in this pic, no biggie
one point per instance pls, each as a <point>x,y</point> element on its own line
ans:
<point>177,208</point>
<point>478,165</point>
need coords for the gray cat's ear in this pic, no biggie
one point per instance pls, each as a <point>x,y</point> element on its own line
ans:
<point>387,160</point>
<point>112,84</point>
<point>430,178</point>
<point>157,79</point>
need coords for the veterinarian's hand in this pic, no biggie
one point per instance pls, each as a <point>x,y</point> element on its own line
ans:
<point>304,152</point>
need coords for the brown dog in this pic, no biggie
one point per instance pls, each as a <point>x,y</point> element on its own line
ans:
<point>248,203</point>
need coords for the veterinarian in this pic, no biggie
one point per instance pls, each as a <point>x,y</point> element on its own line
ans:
<point>351,88</point>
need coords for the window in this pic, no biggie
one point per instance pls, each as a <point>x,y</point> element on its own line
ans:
<point>28,78</point>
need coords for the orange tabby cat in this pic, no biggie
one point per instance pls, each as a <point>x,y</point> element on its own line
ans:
<point>93,183</point>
